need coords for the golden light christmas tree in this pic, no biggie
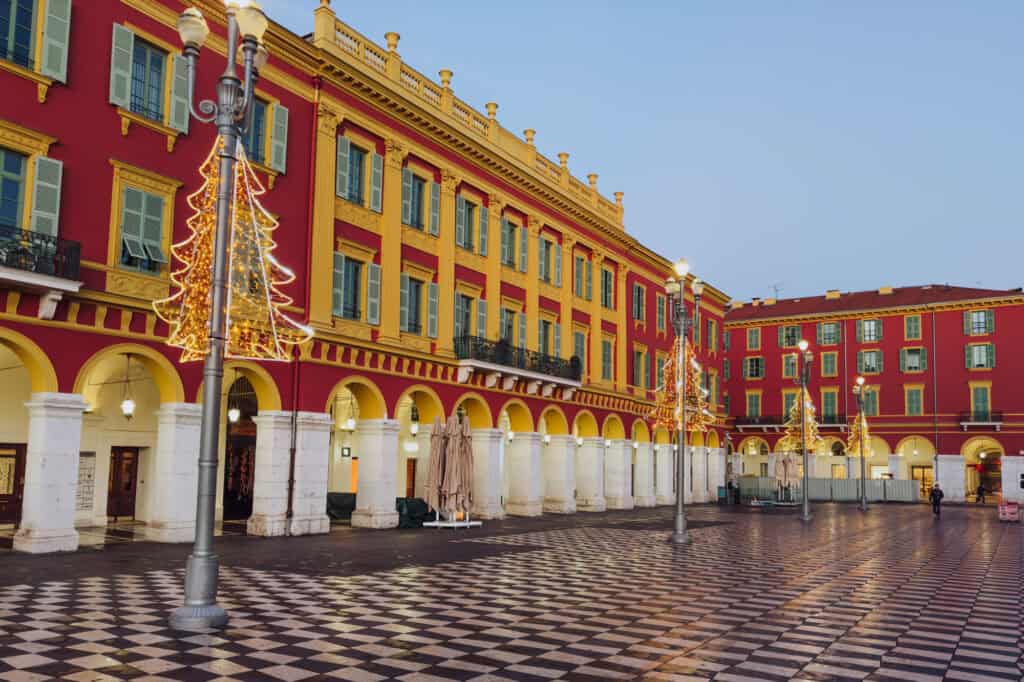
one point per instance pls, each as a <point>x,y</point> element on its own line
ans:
<point>790,442</point>
<point>859,433</point>
<point>666,407</point>
<point>256,326</point>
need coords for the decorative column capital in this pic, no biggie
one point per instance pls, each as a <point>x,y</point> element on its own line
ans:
<point>394,153</point>
<point>449,181</point>
<point>495,203</point>
<point>327,120</point>
<point>536,224</point>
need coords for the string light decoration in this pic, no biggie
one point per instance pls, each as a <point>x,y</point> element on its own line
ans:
<point>858,433</point>
<point>790,442</point>
<point>256,326</point>
<point>665,413</point>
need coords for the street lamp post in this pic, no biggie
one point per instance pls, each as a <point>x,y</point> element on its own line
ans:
<point>859,390</point>
<point>247,24</point>
<point>804,357</point>
<point>675,288</point>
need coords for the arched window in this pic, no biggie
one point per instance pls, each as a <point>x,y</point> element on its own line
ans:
<point>838,449</point>
<point>763,450</point>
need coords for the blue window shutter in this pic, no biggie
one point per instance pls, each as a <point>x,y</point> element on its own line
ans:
<point>558,265</point>
<point>279,138</point>
<point>523,256</point>
<point>46,186</point>
<point>460,221</point>
<point>556,349</point>
<point>341,171</point>
<point>56,32</point>
<point>403,303</point>
<point>373,294</point>
<point>590,280</point>
<point>432,310</point>
<point>178,112</point>
<point>481,318</point>
<point>406,196</point>
<point>376,182</point>
<point>484,231</point>
<point>522,330</point>
<point>338,292</point>
<point>435,208</point>
<point>121,66</point>
<point>542,262</point>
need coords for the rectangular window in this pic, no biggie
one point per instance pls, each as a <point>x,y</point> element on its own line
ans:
<point>142,225</point>
<point>829,333</point>
<point>356,173</point>
<point>606,360</point>
<point>638,302</point>
<point>912,327</point>
<point>577,274</point>
<point>789,366</point>
<point>725,369</point>
<point>659,376</point>
<point>508,328</point>
<point>981,356</point>
<point>726,339</point>
<point>470,221</point>
<point>16,31</point>
<point>871,403</point>
<point>829,401</point>
<point>660,312</point>
<point>638,368</point>
<point>255,138</point>
<point>352,293</point>
<point>753,368</point>
<point>754,338</point>
<point>788,400</point>
<point>12,188</point>
<point>915,402</point>
<point>463,316</point>
<point>754,405</point>
<point>544,257</point>
<point>828,364</point>
<point>148,68</point>
<point>789,335</point>
<point>417,201</point>
<point>544,340</point>
<point>979,322</point>
<point>508,243</point>
<point>912,360</point>
<point>607,294</point>
<point>579,348</point>
<point>414,298</point>
<point>869,362</point>
<point>980,404</point>
<point>871,331</point>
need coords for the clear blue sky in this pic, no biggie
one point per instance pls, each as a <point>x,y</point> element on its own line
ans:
<point>812,145</point>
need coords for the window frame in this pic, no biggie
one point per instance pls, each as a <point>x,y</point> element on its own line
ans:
<point>832,391</point>
<point>989,352</point>
<point>21,201</point>
<point>834,355</point>
<point>907,336</point>
<point>33,37</point>
<point>415,304</point>
<point>786,341</point>
<point>838,333</point>
<point>908,389</point>
<point>876,326</point>
<point>756,332</point>
<point>921,366</point>
<point>876,354</point>
<point>753,394</point>
<point>607,289</point>
<point>126,175</point>
<point>986,386</point>
<point>746,366</point>
<point>607,360</point>
<point>786,357</point>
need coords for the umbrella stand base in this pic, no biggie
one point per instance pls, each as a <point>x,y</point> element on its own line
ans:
<point>438,522</point>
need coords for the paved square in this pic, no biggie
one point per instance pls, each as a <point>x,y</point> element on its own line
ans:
<point>890,595</point>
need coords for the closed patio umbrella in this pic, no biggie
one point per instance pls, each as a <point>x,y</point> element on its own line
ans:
<point>435,465</point>
<point>465,499</point>
<point>452,464</point>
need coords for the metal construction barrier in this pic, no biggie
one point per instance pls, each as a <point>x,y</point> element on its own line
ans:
<point>766,489</point>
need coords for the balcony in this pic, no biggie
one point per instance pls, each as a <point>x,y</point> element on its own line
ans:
<point>839,420</point>
<point>39,263</point>
<point>501,361</point>
<point>982,418</point>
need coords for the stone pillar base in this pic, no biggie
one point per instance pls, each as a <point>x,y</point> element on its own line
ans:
<point>43,541</point>
<point>553,506</point>
<point>266,525</point>
<point>491,512</point>
<point>594,504</point>
<point>374,519</point>
<point>662,500</point>
<point>619,502</point>
<point>310,525</point>
<point>524,508</point>
<point>645,501</point>
<point>171,532</point>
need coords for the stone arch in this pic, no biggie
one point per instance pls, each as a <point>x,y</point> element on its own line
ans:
<point>584,425</point>
<point>477,409</point>
<point>712,440</point>
<point>368,398</point>
<point>519,418</point>
<point>165,376</point>
<point>753,445</point>
<point>827,446</point>
<point>267,395</point>
<point>612,428</point>
<point>696,439</point>
<point>426,400</point>
<point>42,376</point>
<point>641,434</point>
<point>662,436</point>
<point>879,447</point>
<point>915,447</point>
<point>554,420</point>
<point>973,447</point>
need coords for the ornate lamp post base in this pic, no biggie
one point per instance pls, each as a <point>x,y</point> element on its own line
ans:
<point>680,538</point>
<point>806,518</point>
<point>200,583</point>
<point>199,618</point>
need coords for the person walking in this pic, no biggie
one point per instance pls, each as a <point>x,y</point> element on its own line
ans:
<point>979,495</point>
<point>935,497</point>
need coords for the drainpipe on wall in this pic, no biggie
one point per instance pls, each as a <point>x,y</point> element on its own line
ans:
<point>935,401</point>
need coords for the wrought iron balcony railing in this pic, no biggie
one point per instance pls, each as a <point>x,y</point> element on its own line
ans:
<point>981,417</point>
<point>833,419</point>
<point>39,253</point>
<point>505,354</point>
<point>763,420</point>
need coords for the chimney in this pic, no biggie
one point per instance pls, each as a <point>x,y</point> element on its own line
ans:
<point>885,291</point>
<point>832,294</point>
<point>769,301</point>
<point>756,301</point>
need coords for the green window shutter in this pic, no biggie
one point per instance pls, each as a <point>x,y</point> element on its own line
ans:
<point>484,231</point>
<point>376,182</point>
<point>121,66</point>
<point>179,115</point>
<point>341,171</point>
<point>647,371</point>
<point>460,307</point>
<point>558,265</point>
<point>590,280</point>
<point>338,290</point>
<point>406,196</point>
<point>725,369</point>
<point>860,362</point>
<point>556,348</point>
<point>432,310</point>
<point>435,208</point>
<point>504,240</point>
<point>878,355</point>
<point>373,294</point>
<point>924,359</point>
<point>153,227</point>
<point>56,32</point>
<point>819,334</point>
<point>903,359</point>
<point>579,343</point>
<point>523,256</point>
<point>540,337</point>
<point>782,336</point>
<point>522,330</point>
<point>542,261</point>
<point>46,185</point>
<point>967,323</point>
<point>460,221</point>
<point>880,327</point>
<point>990,356</point>
<point>577,274</point>
<point>279,139</point>
<point>860,331</point>
<point>990,321</point>
<point>967,356</point>
<point>481,318</point>
<point>131,222</point>
<point>403,304</point>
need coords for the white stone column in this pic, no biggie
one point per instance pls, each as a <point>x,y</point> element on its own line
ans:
<point>618,472</point>
<point>643,480</point>
<point>590,475</point>
<point>487,480</point>
<point>422,459</point>
<point>312,454</point>
<point>1013,478</point>
<point>951,477</point>
<point>51,474</point>
<point>270,475</point>
<point>716,473</point>
<point>377,449</point>
<point>664,486</point>
<point>525,476</point>
<point>175,475</point>
<point>898,467</point>
<point>560,475</point>
<point>699,487</point>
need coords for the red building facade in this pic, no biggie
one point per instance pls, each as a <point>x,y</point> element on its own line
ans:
<point>940,365</point>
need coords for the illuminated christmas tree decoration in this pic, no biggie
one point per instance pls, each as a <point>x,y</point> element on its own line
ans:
<point>256,326</point>
<point>666,409</point>
<point>790,442</point>
<point>859,433</point>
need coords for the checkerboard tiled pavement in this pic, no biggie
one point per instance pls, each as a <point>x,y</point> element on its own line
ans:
<point>893,595</point>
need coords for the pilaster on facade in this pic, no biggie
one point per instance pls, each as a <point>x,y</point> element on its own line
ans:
<point>622,335</point>
<point>534,227</point>
<point>324,194</point>
<point>496,207</point>
<point>565,303</point>
<point>596,318</point>
<point>446,265</point>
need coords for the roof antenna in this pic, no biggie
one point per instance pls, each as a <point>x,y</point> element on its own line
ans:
<point>777,287</point>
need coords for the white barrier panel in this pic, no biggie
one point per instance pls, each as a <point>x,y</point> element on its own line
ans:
<point>844,489</point>
<point>902,491</point>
